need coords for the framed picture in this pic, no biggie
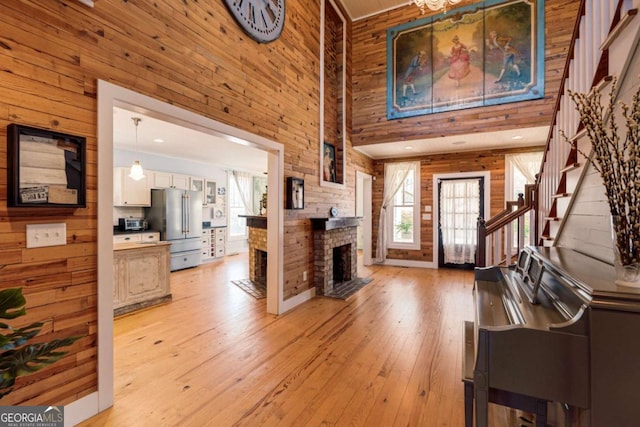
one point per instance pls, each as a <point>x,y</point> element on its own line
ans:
<point>487,53</point>
<point>295,193</point>
<point>329,163</point>
<point>45,168</point>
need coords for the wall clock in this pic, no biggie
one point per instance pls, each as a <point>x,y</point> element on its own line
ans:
<point>263,20</point>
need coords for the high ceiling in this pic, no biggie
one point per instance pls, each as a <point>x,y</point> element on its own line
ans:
<point>215,150</point>
<point>524,137</point>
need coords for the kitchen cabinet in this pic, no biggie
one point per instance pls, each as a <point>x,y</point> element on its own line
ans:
<point>128,192</point>
<point>198,184</point>
<point>170,180</point>
<point>141,276</point>
<point>149,236</point>
<point>180,181</point>
<point>209,192</point>
<point>213,243</point>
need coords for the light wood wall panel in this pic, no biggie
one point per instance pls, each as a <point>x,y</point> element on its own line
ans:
<point>189,53</point>
<point>492,161</point>
<point>370,124</point>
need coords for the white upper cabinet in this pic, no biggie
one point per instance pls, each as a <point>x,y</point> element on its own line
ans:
<point>161,179</point>
<point>180,181</point>
<point>196,183</point>
<point>169,180</point>
<point>128,192</point>
<point>209,192</point>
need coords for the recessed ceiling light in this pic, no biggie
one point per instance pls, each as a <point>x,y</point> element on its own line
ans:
<point>515,138</point>
<point>408,147</point>
<point>158,140</point>
<point>458,142</point>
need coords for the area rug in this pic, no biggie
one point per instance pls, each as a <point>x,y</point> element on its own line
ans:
<point>346,289</point>
<point>256,290</point>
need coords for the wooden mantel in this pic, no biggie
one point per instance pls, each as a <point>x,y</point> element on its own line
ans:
<point>334,223</point>
<point>255,221</point>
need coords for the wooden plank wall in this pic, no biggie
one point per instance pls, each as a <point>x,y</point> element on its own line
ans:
<point>188,53</point>
<point>492,161</point>
<point>370,124</point>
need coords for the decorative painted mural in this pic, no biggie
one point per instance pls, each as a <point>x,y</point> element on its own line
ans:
<point>487,53</point>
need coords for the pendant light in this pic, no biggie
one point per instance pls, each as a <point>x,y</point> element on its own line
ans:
<point>136,172</point>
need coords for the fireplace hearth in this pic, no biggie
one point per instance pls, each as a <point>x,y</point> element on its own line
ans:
<point>335,252</point>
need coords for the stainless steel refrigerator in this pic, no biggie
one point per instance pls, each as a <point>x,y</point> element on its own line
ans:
<point>177,215</point>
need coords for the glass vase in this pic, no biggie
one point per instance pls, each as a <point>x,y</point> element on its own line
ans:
<point>626,252</point>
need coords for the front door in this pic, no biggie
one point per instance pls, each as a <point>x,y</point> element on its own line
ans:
<point>461,202</point>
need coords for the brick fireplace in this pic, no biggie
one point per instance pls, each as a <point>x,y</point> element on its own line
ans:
<point>257,249</point>
<point>335,249</point>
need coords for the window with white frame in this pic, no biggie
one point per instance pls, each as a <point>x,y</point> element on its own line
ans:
<point>521,170</point>
<point>404,210</point>
<point>239,202</point>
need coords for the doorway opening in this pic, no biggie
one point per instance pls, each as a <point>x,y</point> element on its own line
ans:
<point>458,200</point>
<point>110,96</point>
<point>461,203</point>
<point>364,187</point>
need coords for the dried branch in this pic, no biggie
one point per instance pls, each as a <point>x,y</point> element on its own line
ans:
<point>616,159</point>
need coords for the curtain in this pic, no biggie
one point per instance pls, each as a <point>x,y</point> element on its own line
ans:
<point>527,163</point>
<point>244,185</point>
<point>394,176</point>
<point>459,211</point>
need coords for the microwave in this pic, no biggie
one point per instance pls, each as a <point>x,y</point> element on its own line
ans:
<point>132,224</point>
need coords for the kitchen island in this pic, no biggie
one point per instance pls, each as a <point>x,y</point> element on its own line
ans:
<point>141,275</point>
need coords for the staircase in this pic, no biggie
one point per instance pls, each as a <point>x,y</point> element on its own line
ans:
<point>604,44</point>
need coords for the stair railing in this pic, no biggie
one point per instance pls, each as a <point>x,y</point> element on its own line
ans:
<point>495,235</point>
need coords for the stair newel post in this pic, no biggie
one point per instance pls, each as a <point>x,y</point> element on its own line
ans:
<point>481,260</point>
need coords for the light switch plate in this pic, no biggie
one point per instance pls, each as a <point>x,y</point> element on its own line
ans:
<point>39,235</point>
<point>426,217</point>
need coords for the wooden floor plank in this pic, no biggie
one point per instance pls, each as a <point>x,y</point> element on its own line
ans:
<point>389,355</point>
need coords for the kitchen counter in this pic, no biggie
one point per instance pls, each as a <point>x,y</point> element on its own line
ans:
<point>141,275</point>
<point>137,245</point>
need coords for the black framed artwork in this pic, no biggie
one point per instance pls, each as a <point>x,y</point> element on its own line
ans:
<point>295,193</point>
<point>329,163</point>
<point>45,168</point>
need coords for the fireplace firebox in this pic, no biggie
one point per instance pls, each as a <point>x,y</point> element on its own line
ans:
<point>335,252</point>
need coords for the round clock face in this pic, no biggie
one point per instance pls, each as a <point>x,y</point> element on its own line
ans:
<point>263,20</point>
<point>333,211</point>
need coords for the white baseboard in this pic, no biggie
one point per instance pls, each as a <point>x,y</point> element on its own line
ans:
<point>409,263</point>
<point>81,410</point>
<point>297,300</point>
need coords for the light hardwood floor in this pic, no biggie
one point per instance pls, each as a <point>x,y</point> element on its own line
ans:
<point>388,356</point>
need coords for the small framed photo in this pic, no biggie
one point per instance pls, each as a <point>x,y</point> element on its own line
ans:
<point>45,168</point>
<point>329,163</point>
<point>295,193</point>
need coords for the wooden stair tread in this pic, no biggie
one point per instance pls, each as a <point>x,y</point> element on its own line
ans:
<point>560,195</point>
<point>618,29</point>
<point>572,166</point>
<point>553,218</point>
<point>604,82</point>
<point>582,131</point>
<point>547,237</point>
